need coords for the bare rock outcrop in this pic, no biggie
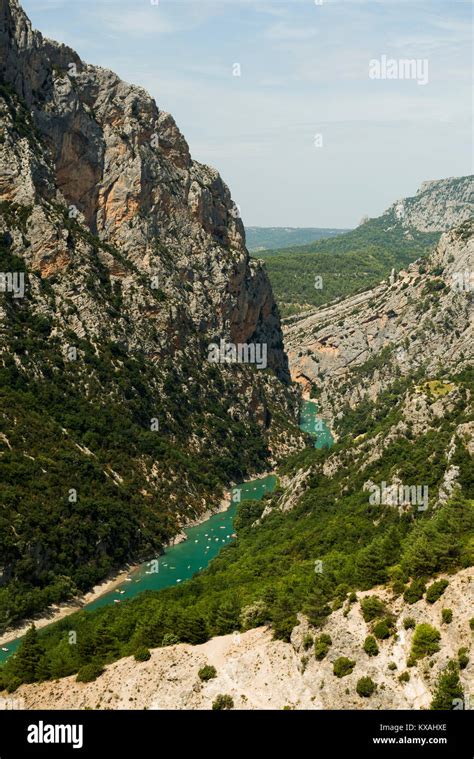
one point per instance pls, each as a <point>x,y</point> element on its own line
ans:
<point>421,317</point>
<point>261,673</point>
<point>103,153</point>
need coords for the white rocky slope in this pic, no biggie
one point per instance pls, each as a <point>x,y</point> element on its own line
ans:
<point>261,673</point>
<point>439,205</point>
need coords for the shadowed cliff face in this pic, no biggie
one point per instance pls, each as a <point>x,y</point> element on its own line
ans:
<point>123,170</point>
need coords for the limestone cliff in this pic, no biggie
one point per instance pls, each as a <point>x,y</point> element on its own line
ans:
<point>104,151</point>
<point>439,205</point>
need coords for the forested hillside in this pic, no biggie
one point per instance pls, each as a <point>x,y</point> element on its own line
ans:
<point>339,266</point>
<point>268,575</point>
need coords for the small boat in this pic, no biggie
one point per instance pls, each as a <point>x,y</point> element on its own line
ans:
<point>4,648</point>
<point>222,527</point>
<point>178,580</point>
<point>121,592</point>
<point>128,579</point>
<point>116,601</point>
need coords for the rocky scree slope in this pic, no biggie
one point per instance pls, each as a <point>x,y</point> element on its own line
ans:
<point>114,427</point>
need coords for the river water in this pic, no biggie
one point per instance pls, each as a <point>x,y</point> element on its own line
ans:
<point>182,561</point>
<point>204,541</point>
<point>311,422</point>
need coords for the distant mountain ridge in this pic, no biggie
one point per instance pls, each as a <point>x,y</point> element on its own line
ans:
<point>357,260</point>
<point>268,238</point>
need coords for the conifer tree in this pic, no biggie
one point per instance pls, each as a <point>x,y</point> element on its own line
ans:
<point>448,691</point>
<point>28,657</point>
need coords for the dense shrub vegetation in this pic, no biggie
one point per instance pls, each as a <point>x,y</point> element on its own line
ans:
<point>208,672</point>
<point>425,641</point>
<point>370,646</point>
<point>448,692</point>
<point>343,666</point>
<point>322,645</point>
<point>142,654</point>
<point>365,687</point>
<point>447,616</point>
<point>268,574</point>
<point>223,701</point>
<point>436,590</point>
<point>371,607</point>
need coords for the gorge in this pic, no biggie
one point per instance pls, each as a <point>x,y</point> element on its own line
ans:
<point>117,432</point>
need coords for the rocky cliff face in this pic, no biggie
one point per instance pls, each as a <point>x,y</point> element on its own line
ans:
<point>128,260</point>
<point>438,205</point>
<point>420,319</point>
<point>103,151</point>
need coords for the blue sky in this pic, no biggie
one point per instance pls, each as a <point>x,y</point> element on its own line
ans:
<point>304,72</point>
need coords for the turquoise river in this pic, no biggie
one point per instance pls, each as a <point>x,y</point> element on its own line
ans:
<point>203,542</point>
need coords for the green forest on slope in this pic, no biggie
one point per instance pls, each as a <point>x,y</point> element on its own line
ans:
<point>268,574</point>
<point>347,264</point>
<point>84,425</point>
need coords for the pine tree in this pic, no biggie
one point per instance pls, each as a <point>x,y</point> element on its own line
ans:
<point>448,689</point>
<point>196,629</point>
<point>371,564</point>
<point>316,607</point>
<point>104,642</point>
<point>28,657</point>
<point>227,618</point>
<point>85,648</point>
